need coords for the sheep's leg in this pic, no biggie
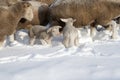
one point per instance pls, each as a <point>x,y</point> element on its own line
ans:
<point>11,38</point>
<point>71,41</point>
<point>66,42</point>
<point>43,42</point>
<point>77,41</point>
<point>92,32</point>
<point>2,41</point>
<point>32,41</point>
<point>92,29</point>
<point>114,30</point>
<point>49,42</point>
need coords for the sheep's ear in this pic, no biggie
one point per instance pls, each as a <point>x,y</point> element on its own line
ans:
<point>49,30</point>
<point>74,20</point>
<point>64,20</point>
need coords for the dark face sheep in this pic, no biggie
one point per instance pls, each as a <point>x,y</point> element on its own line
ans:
<point>10,17</point>
<point>86,12</point>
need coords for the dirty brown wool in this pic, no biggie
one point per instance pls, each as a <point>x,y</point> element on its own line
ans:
<point>10,17</point>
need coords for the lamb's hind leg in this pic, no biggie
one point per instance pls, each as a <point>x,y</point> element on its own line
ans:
<point>77,41</point>
<point>66,42</point>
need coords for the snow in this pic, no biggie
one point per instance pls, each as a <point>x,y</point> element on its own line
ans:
<point>98,60</point>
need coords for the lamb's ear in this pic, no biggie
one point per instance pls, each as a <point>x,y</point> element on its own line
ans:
<point>63,20</point>
<point>49,30</point>
<point>74,20</point>
<point>59,26</point>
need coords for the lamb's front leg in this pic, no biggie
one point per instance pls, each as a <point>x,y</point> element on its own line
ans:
<point>43,42</point>
<point>77,41</point>
<point>66,42</point>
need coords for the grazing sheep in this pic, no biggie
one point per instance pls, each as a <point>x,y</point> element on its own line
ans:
<point>43,34</point>
<point>10,17</point>
<point>70,33</point>
<point>86,12</point>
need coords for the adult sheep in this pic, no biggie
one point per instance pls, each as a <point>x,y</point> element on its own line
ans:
<point>47,1</point>
<point>40,13</point>
<point>8,2</point>
<point>44,1</point>
<point>86,12</point>
<point>10,17</point>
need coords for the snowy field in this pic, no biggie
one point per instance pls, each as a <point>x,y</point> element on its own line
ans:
<point>98,60</point>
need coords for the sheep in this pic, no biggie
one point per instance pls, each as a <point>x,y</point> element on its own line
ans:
<point>86,12</point>
<point>44,1</point>
<point>40,11</point>
<point>10,17</point>
<point>70,33</point>
<point>42,33</point>
<point>8,2</point>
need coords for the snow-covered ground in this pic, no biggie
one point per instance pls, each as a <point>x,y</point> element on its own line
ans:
<point>98,60</point>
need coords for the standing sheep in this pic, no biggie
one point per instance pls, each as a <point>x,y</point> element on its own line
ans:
<point>86,12</point>
<point>40,15</point>
<point>44,1</point>
<point>44,34</point>
<point>70,33</point>
<point>8,2</point>
<point>10,17</point>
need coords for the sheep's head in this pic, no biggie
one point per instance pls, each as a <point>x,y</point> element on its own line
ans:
<point>54,30</point>
<point>28,13</point>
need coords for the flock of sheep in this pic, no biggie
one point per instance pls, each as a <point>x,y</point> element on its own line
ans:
<point>63,16</point>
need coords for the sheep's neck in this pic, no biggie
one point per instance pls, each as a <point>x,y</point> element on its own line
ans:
<point>16,14</point>
<point>69,24</point>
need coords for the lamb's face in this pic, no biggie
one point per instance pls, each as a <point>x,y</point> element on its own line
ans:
<point>54,31</point>
<point>28,11</point>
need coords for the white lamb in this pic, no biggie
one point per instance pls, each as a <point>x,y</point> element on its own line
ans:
<point>70,33</point>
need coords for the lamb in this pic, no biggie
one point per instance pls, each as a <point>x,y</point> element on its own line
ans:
<point>10,17</point>
<point>86,12</point>
<point>70,33</point>
<point>44,34</point>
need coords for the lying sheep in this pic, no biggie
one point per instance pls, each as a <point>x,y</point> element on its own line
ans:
<point>44,34</point>
<point>70,33</point>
